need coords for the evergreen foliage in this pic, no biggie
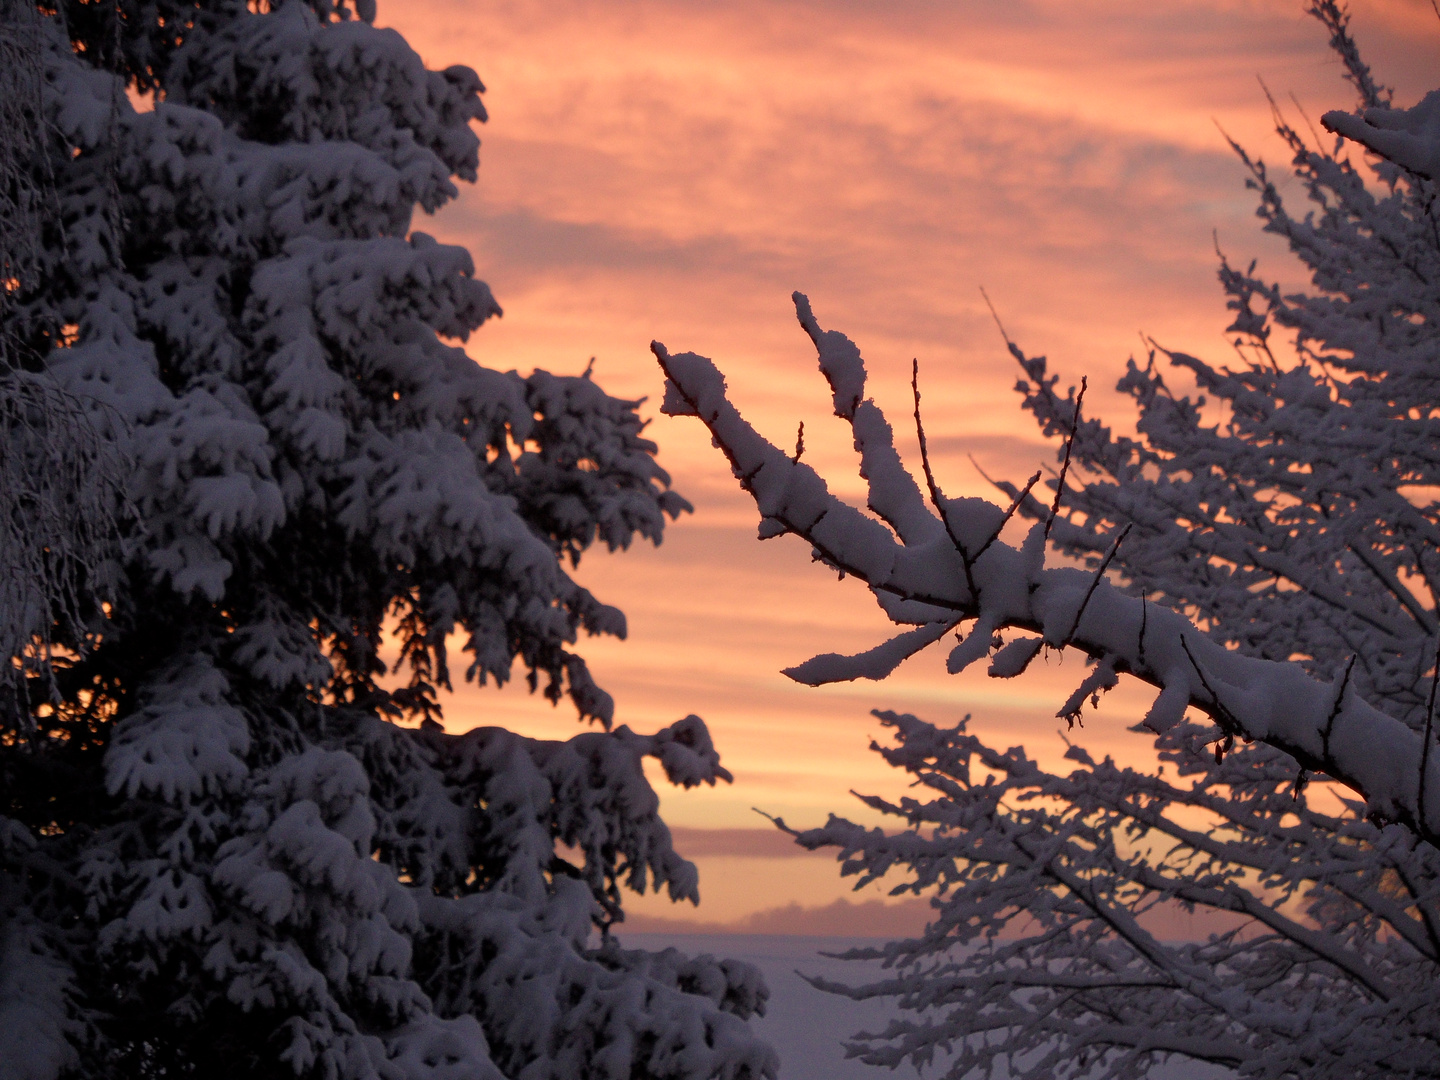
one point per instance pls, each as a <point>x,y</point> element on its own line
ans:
<point>226,848</point>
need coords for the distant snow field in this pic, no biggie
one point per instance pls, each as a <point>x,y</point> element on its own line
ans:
<point>806,1025</point>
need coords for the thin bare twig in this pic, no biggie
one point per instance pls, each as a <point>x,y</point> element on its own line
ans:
<point>1314,134</point>
<point>1429,729</point>
<point>994,315</point>
<point>1228,724</point>
<point>1065,465</point>
<point>937,498</point>
<point>1144,618</point>
<point>1393,587</point>
<point>1297,787</point>
<point>1095,580</point>
<point>1430,585</point>
<point>1009,513</point>
<point>1335,710</point>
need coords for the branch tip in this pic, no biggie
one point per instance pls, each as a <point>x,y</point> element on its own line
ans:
<point>998,324</point>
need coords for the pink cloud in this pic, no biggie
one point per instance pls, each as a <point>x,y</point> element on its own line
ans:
<point>902,919</point>
<point>840,918</point>
<point>752,843</point>
<point>672,170</point>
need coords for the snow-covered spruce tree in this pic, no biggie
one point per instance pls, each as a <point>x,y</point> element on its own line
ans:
<point>226,849</point>
<point>1298,534</point>
<point>59,477</point>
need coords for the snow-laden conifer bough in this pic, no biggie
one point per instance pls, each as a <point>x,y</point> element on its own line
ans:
<point>226,848</point>
<point>1279,574</point>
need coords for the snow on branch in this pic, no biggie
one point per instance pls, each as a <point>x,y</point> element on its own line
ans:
<point>1052,949</point>
<point>965,574</point>
<point>1408,137</point>
<point>239,453</point>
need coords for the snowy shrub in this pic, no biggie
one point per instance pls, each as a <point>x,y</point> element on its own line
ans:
<point>1276,537</point>
<point>226,848</point>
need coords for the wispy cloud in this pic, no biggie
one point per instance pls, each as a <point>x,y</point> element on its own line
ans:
<point>904,918</point>
<point>667,169</point>
<point>839,918</point>
<point>750,843</point>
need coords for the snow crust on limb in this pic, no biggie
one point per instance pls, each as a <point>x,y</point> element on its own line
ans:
<point>1408,137</point>
<point>1300,532</point>
<point>1279,703</point>
<point>227,843</point>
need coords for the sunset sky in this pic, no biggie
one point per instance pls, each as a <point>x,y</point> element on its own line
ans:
<point>673,170</point>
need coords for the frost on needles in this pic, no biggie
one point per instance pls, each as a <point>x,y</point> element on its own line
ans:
<point>226,848</point>
<point>1279,578</point>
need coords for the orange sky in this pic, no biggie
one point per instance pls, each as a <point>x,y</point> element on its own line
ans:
<point>672,169</point>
